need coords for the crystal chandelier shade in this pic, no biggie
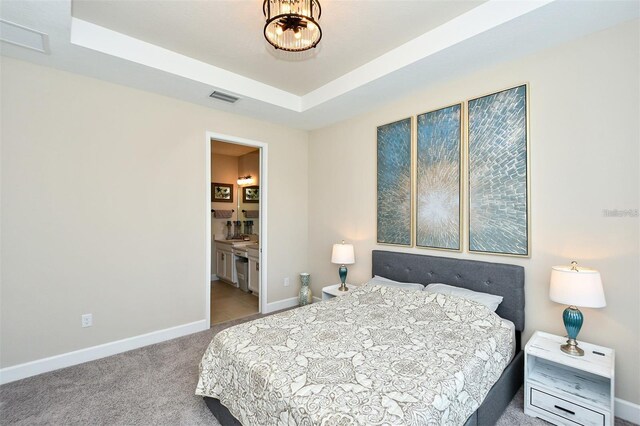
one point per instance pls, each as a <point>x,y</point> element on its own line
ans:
<point>292,25</point>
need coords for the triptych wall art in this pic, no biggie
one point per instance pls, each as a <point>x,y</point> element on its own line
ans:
<point>485,166</point>
<point>438,178</point>
<point>394,183</point>
<point>498,219</point>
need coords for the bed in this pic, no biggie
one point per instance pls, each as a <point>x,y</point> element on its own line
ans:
<point>317,369</point>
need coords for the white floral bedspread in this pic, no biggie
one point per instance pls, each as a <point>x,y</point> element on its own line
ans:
<point>379,356</point>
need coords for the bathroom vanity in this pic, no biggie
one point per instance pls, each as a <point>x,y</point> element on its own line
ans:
<point>253,253</point>
<point>225,259</point>
<point>227,251</point>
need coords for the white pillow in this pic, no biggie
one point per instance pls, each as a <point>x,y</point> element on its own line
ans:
<point>386,282</point>
<point>491,301</point>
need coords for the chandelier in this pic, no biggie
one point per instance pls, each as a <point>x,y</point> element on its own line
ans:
<point>292,25</point>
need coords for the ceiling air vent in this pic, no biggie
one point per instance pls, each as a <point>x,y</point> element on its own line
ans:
<point>24,37</point>
<point>223,97</point>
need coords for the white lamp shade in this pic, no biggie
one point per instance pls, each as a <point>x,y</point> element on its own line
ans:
<point>342,254</point>
<point>581,287</point>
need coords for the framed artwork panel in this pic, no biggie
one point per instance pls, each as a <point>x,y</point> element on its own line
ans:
<point>498,156</point>
<point>394,183</point>
<point>438,167</point>
<point>221,192</point>
<point>251,194</point>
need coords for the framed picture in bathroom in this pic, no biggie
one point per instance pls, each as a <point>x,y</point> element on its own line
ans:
<point>221,192</point>
<point>251,194</point>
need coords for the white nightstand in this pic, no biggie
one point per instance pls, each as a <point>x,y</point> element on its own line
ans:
<point>331,291</point>
<point>565,389</point>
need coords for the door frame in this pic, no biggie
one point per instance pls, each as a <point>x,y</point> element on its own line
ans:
<point>262,209</point>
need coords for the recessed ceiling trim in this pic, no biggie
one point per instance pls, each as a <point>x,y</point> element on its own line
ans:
<point>478,20</point>
<point>95,37</point>
<point>547,27</point>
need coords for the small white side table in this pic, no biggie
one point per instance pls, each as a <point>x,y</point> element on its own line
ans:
<point>331,291</point>
<point>565,389</point>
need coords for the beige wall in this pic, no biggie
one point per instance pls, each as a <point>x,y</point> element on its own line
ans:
<point>103,210</point>
<point>249,165</point>
<point>584,156</point>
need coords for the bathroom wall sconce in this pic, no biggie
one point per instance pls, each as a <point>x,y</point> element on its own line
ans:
<point>245,180</point>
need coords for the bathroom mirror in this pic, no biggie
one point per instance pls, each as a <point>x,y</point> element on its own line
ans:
<point>238,167</point>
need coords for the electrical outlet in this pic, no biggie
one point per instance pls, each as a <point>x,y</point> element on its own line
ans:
<point>87,320</point>
<point>286,281</point>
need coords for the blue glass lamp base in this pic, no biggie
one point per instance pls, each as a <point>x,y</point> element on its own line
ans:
<point>573,319</point>
<point>343,278</point>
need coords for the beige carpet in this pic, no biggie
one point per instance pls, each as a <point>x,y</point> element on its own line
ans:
<point>148,386</point>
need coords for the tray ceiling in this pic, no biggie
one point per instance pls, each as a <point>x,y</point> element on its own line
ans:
<point>184,49</point>
<point>228,34</point>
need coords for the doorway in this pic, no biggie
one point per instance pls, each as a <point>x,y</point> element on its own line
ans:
<point>236,228</point>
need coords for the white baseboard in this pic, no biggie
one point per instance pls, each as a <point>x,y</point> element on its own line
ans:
<point>214,277</point>
<point>28,369</point>
<point>285,303</point>
<point>281,304</point>
<point>627,411</point>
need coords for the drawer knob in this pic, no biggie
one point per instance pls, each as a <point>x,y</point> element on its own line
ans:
<point>565,410</point>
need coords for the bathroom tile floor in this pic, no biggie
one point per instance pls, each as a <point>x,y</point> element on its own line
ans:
<point>230,303</point>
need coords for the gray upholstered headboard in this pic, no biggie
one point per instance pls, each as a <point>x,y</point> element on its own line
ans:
<point>494,278</point>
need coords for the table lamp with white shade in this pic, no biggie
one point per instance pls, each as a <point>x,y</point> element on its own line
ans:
<point>342,255</point>
<point>575,286</point>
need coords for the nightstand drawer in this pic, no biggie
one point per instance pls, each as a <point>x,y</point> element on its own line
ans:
<point>565,409</point>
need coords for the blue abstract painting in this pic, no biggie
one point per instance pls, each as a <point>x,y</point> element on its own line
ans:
<point>498,173</point>
<point>438,179</point>
<point>394,183</point>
